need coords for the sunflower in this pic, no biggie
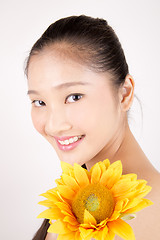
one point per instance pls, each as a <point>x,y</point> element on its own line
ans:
<point>94,204</point>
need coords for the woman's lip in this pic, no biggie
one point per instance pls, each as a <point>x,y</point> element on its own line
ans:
<point>66,137</point>
<point>69,146</point>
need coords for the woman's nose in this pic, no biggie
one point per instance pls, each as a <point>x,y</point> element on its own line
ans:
<point>57,123</point>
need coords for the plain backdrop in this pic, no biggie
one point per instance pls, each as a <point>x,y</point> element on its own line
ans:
<point>29,165</point>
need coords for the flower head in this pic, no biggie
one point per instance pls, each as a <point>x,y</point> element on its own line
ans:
<point>93,204</point>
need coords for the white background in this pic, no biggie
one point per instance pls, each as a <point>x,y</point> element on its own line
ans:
<point>29,165</point>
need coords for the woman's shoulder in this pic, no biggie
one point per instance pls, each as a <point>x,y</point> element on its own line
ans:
<point>154,180</point>
<point>147,223</point>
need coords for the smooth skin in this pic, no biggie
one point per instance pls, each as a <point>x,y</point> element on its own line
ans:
<point>96,112</point>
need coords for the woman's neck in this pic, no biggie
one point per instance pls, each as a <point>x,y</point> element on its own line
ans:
<point>111,148</point>
<point>124,147</point>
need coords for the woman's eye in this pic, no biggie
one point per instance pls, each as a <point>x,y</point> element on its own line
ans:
<point>38,103</point>
<point>73,98</point>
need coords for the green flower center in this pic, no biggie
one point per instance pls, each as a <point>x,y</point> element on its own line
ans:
<point>95,198</point>
<point>92,203</point>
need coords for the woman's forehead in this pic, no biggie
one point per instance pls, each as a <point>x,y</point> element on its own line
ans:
<point>59,70</point>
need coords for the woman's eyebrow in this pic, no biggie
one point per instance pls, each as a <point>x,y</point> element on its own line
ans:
<point>69,84</point>
<point>60,86</point>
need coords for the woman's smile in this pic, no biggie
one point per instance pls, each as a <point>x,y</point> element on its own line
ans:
<point>68,143</point>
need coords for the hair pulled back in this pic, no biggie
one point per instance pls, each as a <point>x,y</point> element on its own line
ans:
<point>93,42</point>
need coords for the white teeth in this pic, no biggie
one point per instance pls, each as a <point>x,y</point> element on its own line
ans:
<point>66,142</point>
<point>75,139</point>
<point>70,140</point>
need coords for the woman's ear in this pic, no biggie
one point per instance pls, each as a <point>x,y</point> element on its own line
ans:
<point>127,93</point>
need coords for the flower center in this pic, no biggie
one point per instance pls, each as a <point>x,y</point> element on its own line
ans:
<point>95,198</point>
<point>92,203</point>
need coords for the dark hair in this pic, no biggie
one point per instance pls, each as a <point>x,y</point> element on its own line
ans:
<point>42,231</point>
<point>92,42</point>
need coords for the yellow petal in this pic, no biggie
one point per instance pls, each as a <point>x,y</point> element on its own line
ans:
<point>59,181</point>
<point>50,194</point>
<point>107,163</point>
<point>116,171</point>
<point>123,187</point>
<point>130,176</point>
<point>66,192</point>
<point>144,203</point>
<point>98,235</point>
<point>132,191</point>
<point>142,193</point>
<point>86,234</point>
<point>95,173</point>
<point>53,195</point>
<point>112,174</point>
<point>130,195</point>
<point>80,175</point>
<point>61,199</point>
<point>51,214</point>
<point>47,203</point>
<point>66,167</point>
<point>59,227</point>
<point>71,220</point>
<point>72,228</point>
<point>122,229</point>
<point>70,181</point>
<point>141,183</point>
<point>57,196</point>
<point>104,233</point>
<point>102,166</point>
<point>88,218</point>
<point>87,226</point>
<point>104,178</point>
<point>101,234</point>
<point>118,208</point>
<point>114,216</point>
<point>110,235</point>
<point>64,208</point>
<point>78,236</point>
<point>132,203</point>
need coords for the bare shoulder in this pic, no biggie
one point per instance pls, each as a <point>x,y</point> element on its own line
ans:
<point>147,223</point>
<point>51,236</point>
<point>153,178</point>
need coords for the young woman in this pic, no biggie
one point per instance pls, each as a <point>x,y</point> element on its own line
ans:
<point>81,92</point>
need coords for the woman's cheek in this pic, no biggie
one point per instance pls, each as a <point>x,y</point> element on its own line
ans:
<point>38,121</point>
<point>82,115</point>
<point>76,112</point>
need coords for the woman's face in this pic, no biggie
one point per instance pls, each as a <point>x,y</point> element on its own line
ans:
<point>73,107</point>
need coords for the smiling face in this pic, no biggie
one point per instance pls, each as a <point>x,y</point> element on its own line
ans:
<point>73,107</point>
